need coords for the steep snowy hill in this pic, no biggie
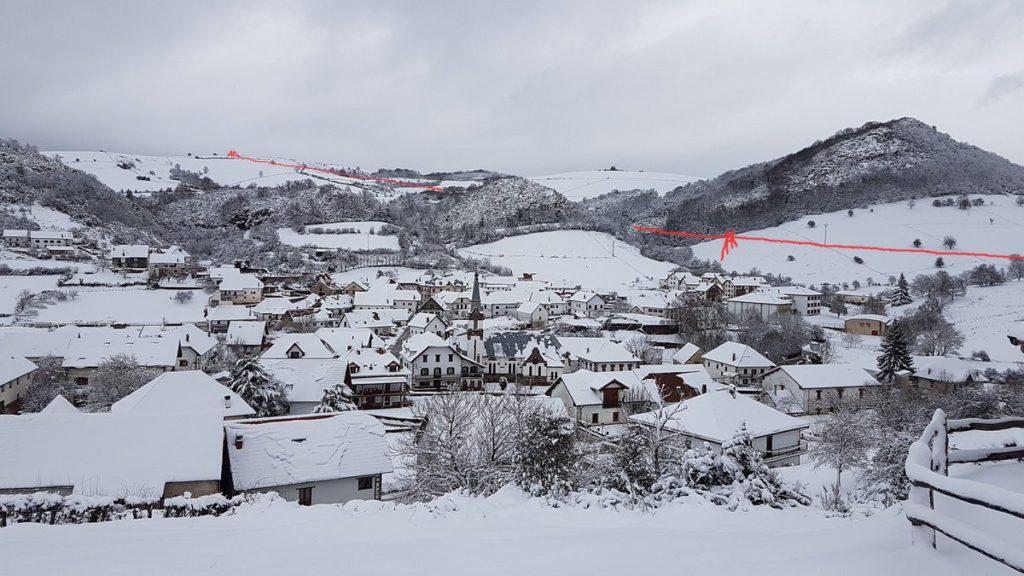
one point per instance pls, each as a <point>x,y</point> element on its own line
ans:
<point>589,184</point>
<point>878,162</point>
<point>996,227</point>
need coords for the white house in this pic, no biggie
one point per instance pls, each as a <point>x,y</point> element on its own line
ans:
<point>600,398</point>
<point>596,354</point>
<point>195,349</point>
<point>89,349</point>
<point>305,379</point>
<point>550,300</point>
<point>532,313</point>
<point>438,365</point>
<point>587,304</point>
<point>763,305</point>
<point>383,321</point>
<point>427,322</point>
<point>715,417</point>
<point>15,378</point>
<point>377,379</point>
<point>806,302</point>
<point>688,354</point>
<point>173,260</point>
<point>240,289</point>
<point>736,363</point>
<point>318,459</point>
<point>179,392</point>
<point>816,388</point>
<point>943,374</point>
<point>246,337</point>
<point>218,318</point>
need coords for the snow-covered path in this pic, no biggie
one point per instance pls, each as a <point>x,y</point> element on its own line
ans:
<point>497,536</point>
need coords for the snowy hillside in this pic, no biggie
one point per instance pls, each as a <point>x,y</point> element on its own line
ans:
<point>121,171</point>
<point>996,227</point>
<point>592,259</point>
<point>346,235</point>
<point>588,184</point>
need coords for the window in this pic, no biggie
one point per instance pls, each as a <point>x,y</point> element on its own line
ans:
<point>182,363</point>
<point>450,371</point>
<point>366,483</point>
<point>817,394</point>
<point>424,357</point>
<point>593,418</point>
<point>305,496</point>
<point>451,357</point>
<point>840,392</point>
<point>424,371</point>
<point>437,357</point>
<point>615,416</point>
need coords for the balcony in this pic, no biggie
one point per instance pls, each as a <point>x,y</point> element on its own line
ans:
<point>783,453</point>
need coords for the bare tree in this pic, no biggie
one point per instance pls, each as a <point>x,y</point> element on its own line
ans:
<point>115,378</point>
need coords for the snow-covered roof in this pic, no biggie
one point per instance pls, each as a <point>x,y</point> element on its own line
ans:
<point>15,233</point>
<point>286,451</point>
<point>375,317</point>
<point>246,332</point>
<point>375,297</point>
<point>762,298</point>
<point>168,258</point>
<point>34,342</point>
<point>59,405</point>
<point>738,355</point>
<point>584,386</point>
<point>236,282</point>
<point>544,297</point>
<point>14,367</point>
<point>227,312</point>
<point>375,362</point>
<point>276,306</point>
<point>871,317</point>
<point>813,376</point>
<point>595,349</point>
<point>406,295</point>
<point>108,453</point>
<point>185,391</point>
<point>310,345</point>
<point>188,335</point>
<point>529,308</point>
<point>942,369</point>
<point>416,344</point>
<point>342,339</point>
<point>305,379</point>
<point>686,353</point>
<point>90,349</point>
<point>797,291</point>
<point>651,299</point>
<point>423,319</point>
<point>716,416</point>
<point>583,296</point>
<point>129,251</point>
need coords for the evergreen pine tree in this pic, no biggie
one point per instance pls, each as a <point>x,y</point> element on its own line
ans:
<point>895,353</point>
<point>547,457</point>
<point>337,398</point>
<point>250,381</point>
<point>902,295</point>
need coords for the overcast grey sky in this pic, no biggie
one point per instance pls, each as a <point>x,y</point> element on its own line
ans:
<point>523,87</point>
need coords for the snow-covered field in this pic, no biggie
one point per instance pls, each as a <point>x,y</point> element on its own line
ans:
<point>11,286</point>
<point>987,315</point>
<point>588,184</point>
<point>578,256</point>
<point>134,306</point>
<point>504,534</point>
<point>363,240</point>
<point>47,218</point>
<point>890,225</point>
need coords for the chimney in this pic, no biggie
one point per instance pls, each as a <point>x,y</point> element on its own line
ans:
<point>186,337</point>
<point>238,441</point>
<point>733,356</point>
<point>227,400</point>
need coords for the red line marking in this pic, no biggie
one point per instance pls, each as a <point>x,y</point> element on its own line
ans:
<point>233,154</point>
<point>731,238</point>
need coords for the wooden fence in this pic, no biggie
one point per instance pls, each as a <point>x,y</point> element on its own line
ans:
<point>927,468</point>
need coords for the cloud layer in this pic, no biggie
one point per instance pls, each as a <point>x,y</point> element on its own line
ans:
<point>525,87</point>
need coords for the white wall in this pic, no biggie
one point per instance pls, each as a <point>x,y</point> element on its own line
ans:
<point>326,491</point>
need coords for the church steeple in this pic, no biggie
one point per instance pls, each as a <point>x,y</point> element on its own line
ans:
<point>476,292</point>
<point>475,333</point>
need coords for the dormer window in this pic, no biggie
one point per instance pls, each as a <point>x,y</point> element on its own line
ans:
<point>353,368</point>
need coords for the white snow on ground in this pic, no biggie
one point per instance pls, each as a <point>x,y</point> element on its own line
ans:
<point>987,315</point>
<point>575,255</point>
<point>133,306</point>
<point>363,240</point>
<point>11,286</point>
<point>502,535</point>
<point>589,184</point>
<point>891,225</point>
<point>47,218</point>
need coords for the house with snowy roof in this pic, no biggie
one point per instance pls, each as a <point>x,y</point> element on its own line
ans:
<point>532,313</point>
<point>736,363</point>
<point>129,257</point>
<point>763,305</point>
<point>148,455</point>
<point>941,374</point>
<point>89,349</point>
<point>867,324</point>
<point>196,347</point>
<point>15,378</point>
<point>596,354</point>
<point>427,322</point>
<point>316,459</point>
<point>377,378</point>
<point>715,417</point>
<point>816,388</point>
<point>171,261</point>
<point>218,318</point>
<point>806,302</point>
<point>305,379</point>
<point>238,289</point>
<point>651,302</point>
<point>246,337</point>
<point>179,392</point>
<point>342,340</point>
<point>437,365</point>
<point>295,346</point>
<point>688,354</point>
<point>59,405</point>
<point>586,304</point>
<point>382,321</point>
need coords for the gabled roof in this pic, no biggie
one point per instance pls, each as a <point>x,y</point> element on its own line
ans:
<point>416,344</point>
<point>375,362</point>
<point>584,296</point>
<point>129,251</point>
<point>241,282</point>
<point>716,416</point>
<point>584,387</point>
<point>59,405</point>
<point>942,369</point>
<point>342,339</point>
<point>276,305</point>
<point>14,367</point>
<point>246,332</point>
<point>686,353</point>
<point>90,349</point>
<point>529,307</point>
<point>377,297</point>
<point>871,317</point>
<point>310,344</point>
<point>762,298</point>
<point>226,312</point>
<point>110,454</point>
<point>188,335</point>
<point>375,317</point>
<point>739,355</point>
<point>185,391</point>
<point>286,451</point>
<point>595,349</point>
<point>814,376</point>
<point>306,379</point>
<point>423,319</point>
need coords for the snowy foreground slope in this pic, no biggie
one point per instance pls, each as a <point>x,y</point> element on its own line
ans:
<point>582,257</point>
<point>588,184</point>
<point>504,534</point>
<point>890,225</point>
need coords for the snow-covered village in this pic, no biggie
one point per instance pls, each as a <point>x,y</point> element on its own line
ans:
<point>779,337</point>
